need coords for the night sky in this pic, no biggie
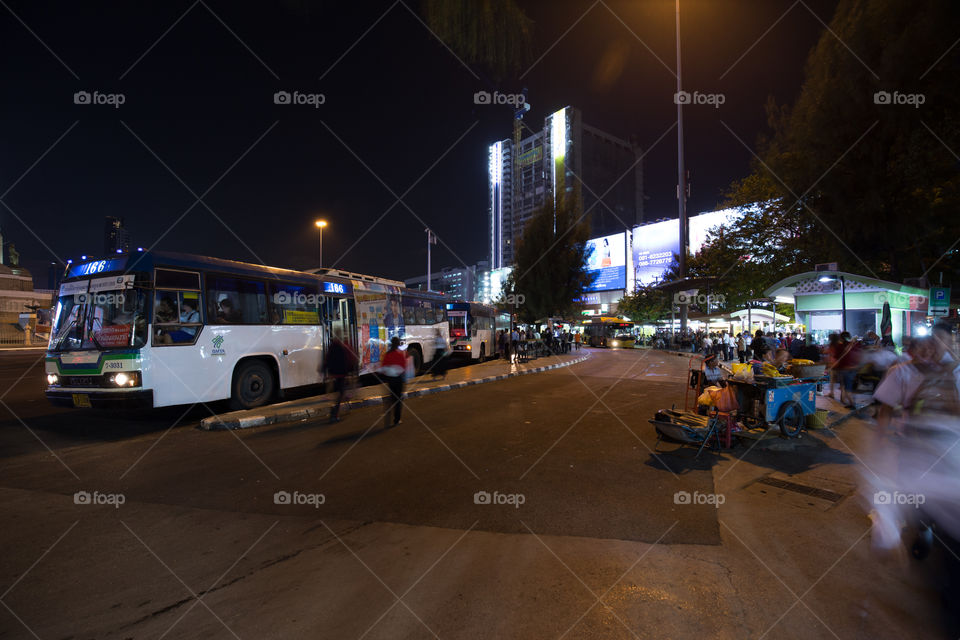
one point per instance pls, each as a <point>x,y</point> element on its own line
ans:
<point>199,120</point>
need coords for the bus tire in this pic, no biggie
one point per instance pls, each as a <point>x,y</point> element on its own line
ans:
<point>253,385</point>
<point>417,355</point>
<point>483,351</point>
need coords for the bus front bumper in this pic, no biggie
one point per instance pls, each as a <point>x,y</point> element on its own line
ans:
<point>141,399</point>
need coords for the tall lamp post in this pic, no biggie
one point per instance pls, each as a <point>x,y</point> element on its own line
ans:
<point>320,225</point>
<point>681,178</point>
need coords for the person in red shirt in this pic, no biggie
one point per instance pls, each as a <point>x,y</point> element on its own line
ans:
<point>393,369</point>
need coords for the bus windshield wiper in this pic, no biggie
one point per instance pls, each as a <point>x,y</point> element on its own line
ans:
<point>63,334</point>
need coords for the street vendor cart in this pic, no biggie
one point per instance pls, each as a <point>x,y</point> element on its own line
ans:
<point>784,401</point>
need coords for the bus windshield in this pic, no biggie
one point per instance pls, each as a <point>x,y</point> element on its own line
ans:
<point>109,318</point>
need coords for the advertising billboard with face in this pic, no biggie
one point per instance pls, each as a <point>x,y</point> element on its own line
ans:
<point>607,262</point>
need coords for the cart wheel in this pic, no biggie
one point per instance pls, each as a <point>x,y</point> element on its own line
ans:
<point>790,418</point>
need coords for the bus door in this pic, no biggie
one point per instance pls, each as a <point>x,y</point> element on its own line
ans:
<point>342,319</point>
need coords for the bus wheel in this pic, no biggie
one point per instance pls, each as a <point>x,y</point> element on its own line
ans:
<point>253,385</point>
<point>483,351</point>
<point>417,358</point>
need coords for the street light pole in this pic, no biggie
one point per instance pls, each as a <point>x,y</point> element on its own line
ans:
<point>681,177</point>
<point>320,225</point>
<point>431,239</point>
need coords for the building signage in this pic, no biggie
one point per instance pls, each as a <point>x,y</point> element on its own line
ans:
<point>530,156</point>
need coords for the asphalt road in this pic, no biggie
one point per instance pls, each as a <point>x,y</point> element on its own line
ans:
<point>393,535</point>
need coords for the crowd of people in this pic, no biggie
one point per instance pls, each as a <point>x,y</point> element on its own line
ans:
<point>518,342</point>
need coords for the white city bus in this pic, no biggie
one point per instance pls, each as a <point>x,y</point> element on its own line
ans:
<point>155,329</point>
<point>473,329</point>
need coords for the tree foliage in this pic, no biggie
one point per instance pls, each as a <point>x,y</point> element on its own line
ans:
<point>495,34</point>
<point>550,266</point>
<point>646,305</point>
<point>846,175</point>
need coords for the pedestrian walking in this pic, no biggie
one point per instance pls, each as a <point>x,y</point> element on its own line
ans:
<point>339,363</point>
<point>439,365</point>
<point>741,348</point>
<point>393,371</point>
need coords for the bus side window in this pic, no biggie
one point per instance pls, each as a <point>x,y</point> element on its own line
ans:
<point>236,301</point>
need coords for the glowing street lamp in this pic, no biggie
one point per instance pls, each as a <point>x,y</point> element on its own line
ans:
<point>320,224</point>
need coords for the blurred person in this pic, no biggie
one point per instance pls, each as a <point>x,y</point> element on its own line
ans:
<point>913,468</point>
<point>741,348</point>
<point>848,363</point>
<point>393,371</point>
<point>439,366</point>
<point>339,362</point>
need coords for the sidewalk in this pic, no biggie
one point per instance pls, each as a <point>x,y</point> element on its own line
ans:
<point>319,406</point>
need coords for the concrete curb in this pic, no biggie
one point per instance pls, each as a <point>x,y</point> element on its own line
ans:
<point>224,422</point>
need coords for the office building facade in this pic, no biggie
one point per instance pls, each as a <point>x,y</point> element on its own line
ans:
<point>458,283</point>
<point>565,156</point>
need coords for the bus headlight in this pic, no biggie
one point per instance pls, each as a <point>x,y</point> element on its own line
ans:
<point>125,379</point>
<point>615,343</point>
<point>53,379</point>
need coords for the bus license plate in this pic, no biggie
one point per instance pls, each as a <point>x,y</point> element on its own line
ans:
<point>81,400</point>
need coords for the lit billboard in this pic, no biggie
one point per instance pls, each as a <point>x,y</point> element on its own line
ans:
<point>654,247</point>
<point>607,262</point>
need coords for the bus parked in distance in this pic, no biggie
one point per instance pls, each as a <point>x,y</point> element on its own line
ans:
<point>473,329</point>
<point>155,329</point>
<point>608,332</point>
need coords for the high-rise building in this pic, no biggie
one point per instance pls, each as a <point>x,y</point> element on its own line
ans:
<point>459,283</point>
<point>565,155</point>
<point>116,238</point>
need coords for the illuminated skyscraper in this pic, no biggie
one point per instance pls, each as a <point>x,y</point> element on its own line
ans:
<point>116,238</point>
<point>564,154</point>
